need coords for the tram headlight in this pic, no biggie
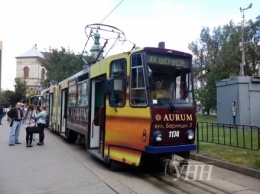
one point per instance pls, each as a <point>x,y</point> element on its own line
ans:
<point>190,135</point>
<point>157,136</point>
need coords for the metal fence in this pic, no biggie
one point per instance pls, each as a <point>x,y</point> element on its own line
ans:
<point>241,136</point>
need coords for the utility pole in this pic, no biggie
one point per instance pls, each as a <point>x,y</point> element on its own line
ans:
<point>1,48</point>
<point>241,73</point>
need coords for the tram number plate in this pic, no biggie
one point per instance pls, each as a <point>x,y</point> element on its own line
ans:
<point>173,134</point>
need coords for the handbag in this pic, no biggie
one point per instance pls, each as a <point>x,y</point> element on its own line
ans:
<point>33,124</point>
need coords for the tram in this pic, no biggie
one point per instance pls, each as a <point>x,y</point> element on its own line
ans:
<point>131,107</point>
<point>35,100</point>
<point>45,95</point>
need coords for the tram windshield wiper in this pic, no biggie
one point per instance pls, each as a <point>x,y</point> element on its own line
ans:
<point>163,95</point>
<point>172,107</point>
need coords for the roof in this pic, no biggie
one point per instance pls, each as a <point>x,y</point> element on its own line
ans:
<point>33,52</point>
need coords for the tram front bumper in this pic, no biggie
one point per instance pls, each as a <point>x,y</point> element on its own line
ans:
<point>169,149</point>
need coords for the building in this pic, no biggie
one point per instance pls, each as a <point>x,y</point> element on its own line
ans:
<point>245,92</point>
<point>29,68</point>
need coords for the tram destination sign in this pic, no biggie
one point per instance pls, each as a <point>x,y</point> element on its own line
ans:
<point>167,60</point>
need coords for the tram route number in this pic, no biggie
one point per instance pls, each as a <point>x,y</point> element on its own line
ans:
<point>173,134</point>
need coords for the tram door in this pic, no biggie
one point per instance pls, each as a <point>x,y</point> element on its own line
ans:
<point>63,110</point>
<point>51,110</point>
<point>97,115</point>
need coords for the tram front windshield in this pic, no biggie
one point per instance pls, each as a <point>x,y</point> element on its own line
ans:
<point>170,85</point>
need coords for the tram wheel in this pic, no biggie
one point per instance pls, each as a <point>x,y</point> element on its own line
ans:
<point>117,166</point>
<point>72,137</point>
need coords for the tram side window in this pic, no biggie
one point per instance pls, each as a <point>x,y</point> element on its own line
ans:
<point>118,73</point>
<point>45,100</point>
<point>138,91</point>
<point>72,95</point>
<point>189,89</point>
<point>82,94</point>
<point>184,86</point>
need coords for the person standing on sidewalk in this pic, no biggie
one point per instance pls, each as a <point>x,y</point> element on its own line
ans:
<point>29,122</point>
<point>41,122</point>
<point>16,115</point>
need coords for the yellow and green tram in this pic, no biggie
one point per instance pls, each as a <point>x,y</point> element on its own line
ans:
<point>131,107</point>
<point>35,100</point>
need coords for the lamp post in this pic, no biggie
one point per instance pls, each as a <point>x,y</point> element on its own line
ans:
<point>0,71</point>
<point>241,73</point>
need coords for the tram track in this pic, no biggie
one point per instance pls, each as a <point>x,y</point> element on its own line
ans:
<point>168,185</point>
<point>132,178</point>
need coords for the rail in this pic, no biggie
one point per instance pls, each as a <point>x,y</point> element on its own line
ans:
<point>241,136</point>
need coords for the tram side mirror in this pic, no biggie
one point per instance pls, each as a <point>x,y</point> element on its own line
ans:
<point>118,85</point>
<point>118,88</point>
<point>112,85</point>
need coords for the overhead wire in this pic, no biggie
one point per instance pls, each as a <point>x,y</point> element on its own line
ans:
<point>120,38</point>
<point>111,11</point>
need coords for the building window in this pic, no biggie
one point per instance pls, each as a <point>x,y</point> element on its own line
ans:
<point>26,72</point>
<point>43,74</point>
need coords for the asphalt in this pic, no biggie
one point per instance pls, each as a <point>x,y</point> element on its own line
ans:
<point>42,169</point>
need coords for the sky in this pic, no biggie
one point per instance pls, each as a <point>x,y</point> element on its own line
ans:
<point>61,23</point>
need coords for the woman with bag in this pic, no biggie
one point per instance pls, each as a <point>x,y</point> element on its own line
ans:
<point>41,122</point>
<point>29,122</point>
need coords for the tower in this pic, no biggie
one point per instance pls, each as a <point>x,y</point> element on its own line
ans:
<point>29,68</point>
<point>96,48</point>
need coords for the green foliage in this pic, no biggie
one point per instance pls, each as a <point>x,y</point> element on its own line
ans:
<point>20,89</point>
<point>240,156</point>
<point>19,95</point>
<point>252,46</point>
<point>6,97</point>
<point>217,55</point>
<point>61,64</point>
<point>206,118</point>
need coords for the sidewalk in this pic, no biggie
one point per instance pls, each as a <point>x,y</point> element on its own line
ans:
<point>43,169</point>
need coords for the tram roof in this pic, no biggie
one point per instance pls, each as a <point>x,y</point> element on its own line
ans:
<point>154,50</point>
<point>167,51</point>
<point>76,75</point>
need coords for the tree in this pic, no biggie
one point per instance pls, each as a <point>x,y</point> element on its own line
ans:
<point>217,55</point>
<point>19,95</point>
<point>6,97</point>
<point>20,89</point>
<point>61,64</point>
<point>252,46</point>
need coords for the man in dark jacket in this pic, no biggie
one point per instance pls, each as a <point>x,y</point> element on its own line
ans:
<point>16,114</point>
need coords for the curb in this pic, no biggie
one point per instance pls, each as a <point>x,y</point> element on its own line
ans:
<point>226,165</point>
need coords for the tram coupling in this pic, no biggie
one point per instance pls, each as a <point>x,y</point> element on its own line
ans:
<point>173,165</point>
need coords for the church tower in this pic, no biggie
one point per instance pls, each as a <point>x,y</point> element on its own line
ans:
<point>29,68</point>
<point>96,48</point>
